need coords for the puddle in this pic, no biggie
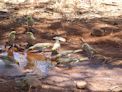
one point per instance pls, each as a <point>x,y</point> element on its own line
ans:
<point>13,70</point>
<point>41,67</point>
<point>21,59</point>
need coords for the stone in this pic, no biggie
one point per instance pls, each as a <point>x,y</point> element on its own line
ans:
<point>81,84</point>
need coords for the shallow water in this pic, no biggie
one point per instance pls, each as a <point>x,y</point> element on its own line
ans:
<point>13,70</point>
<point>21,59</point>
<point>41,68</point>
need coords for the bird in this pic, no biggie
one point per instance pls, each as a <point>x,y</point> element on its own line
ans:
<point>30,21</point>
<point>11,39</point>
<point>9,58</point>
<point>64,58</point>
<point>61,57</point>
<point>31,35</point>
<point>40,46</point>
<point>54,50</point>
<point>88,49</point>
<point>30,39</point>
<point>57,44</point>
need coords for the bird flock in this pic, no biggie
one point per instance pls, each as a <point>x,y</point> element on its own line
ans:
<point>40,56</point>
<point>36,60</point>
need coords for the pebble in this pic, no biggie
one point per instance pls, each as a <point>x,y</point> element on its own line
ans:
<point>81,84</point>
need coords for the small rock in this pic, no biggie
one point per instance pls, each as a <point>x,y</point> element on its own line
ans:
<point>81,84</point>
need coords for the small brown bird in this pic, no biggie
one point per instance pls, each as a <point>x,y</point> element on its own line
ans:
<point>55,54</point>
<point>88,49</point>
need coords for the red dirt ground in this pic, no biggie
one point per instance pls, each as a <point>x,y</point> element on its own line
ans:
<point>109,45</point>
